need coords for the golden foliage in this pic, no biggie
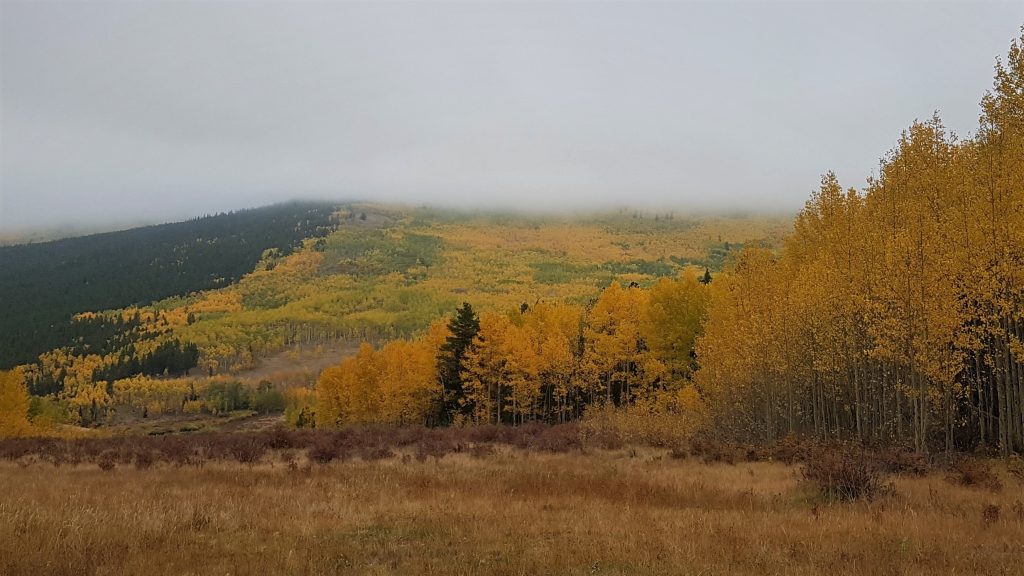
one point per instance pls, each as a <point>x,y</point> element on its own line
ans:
<point>893,315</point>
<point>545,362</point>
<point>396,384</point>
<point>13,405</point>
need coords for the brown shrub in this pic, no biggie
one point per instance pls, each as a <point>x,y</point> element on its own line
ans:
<point>371,454</point>
<point>247,450</point>
<point>482,450</point>
<point>989,515</point>
<point>198,521</point>
<point>178,451</point>
<point>679,453</point>
<point>547,438</point>
<point>974,472</point>
<point>323,450</point>
<point>845,473</point>
<point>107,461</point>
<point>1018,510</point>
<point>901,461</point>
<point>434,447</point>
<point>1016,467</point>
<point>489,434</point>
<point>790,449</point>
<point>279,438</point>
<point>711,450</point>
<point>144,459</point>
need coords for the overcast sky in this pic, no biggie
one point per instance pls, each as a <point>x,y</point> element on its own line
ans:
<point>116,112</point>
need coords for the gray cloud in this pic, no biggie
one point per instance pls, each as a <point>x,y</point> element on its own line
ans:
<point>161,110</point>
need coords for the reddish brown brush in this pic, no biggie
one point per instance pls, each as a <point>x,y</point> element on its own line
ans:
<point>845,473</point>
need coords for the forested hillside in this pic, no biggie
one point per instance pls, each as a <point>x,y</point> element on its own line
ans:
<point>42,285</point>
<point>382,272</point>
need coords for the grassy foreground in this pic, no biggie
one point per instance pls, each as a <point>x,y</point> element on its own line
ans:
<point>501,511</point>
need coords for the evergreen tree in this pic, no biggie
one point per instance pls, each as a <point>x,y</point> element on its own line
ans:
<point>463,327</point>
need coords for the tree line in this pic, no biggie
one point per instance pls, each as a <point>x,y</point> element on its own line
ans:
<point>892,314</point>
<point>539,363</point>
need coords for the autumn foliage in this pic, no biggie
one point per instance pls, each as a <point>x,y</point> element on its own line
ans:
<point>537,363</point>
<point>895,314</point>
<point>14,403</point>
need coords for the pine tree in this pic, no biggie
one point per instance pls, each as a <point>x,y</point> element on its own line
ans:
<point>463,327</point>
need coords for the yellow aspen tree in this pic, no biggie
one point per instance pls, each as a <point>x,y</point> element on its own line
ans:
<point>13,405</point>
<point>673,320</point>
<point>487,374</point>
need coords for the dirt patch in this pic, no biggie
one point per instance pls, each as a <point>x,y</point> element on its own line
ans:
<point>304,363</point>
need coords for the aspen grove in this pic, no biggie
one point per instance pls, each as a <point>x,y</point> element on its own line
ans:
<point>895,314</point>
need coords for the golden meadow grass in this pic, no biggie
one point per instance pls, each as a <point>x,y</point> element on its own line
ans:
<point>507,511</point>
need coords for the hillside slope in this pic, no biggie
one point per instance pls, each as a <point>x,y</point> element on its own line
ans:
<point>42,285</point>
<point>389,275</point>
<point>379,273</point>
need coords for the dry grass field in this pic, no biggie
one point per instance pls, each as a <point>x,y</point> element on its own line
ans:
<point>500,510</point>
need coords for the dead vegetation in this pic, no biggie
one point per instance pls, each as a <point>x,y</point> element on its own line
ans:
<point>263,446</point>
<point>490,500</point>
<point>846,474</point>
